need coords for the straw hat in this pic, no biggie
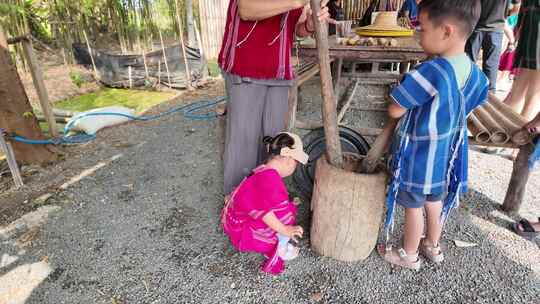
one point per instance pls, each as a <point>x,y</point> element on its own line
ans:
<point>385,24</point>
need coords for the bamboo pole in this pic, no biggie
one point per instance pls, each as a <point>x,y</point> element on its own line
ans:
<point>39,84</point>
<point>498,134</point>
<point>480,133</point>
<point>130,80</point>
<point>204,64</point>
<point>145,64</point>
<point>333,145</point>
<point>181,34</point>
<point>165,59</point>
<point>91,56</point>
<point>159,71</point>
<point>12,163</point>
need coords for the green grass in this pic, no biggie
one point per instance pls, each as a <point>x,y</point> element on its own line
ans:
<point>213,68</point>
<point>138,100</point>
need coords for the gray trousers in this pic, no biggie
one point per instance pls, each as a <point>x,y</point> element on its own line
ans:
<point>255,109</point>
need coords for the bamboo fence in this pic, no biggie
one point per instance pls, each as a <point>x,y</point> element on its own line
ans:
<point>213,16</point>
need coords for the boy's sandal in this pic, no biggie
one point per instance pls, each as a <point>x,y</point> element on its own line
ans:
<point>291,252</point>
<point>432,253</point>
<point>527,230</point>
<point>399,257</point>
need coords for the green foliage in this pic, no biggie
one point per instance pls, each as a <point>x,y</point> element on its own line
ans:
<point>134,99</point>
<point>28,114</point>
<point>76,78</point>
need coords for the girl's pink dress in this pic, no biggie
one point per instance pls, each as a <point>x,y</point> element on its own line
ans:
<point>258,194</point>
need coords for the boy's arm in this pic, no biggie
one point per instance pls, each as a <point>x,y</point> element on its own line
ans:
<point>396,111</point>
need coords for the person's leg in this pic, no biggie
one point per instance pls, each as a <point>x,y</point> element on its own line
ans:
<point>274,114</point>
<point>434,224</point>
<point>532,97</point>
<point>473,45</point>
<point>242,143</point>
<point>413,229</point>
<point>516,97</point>
<point>491,46</point>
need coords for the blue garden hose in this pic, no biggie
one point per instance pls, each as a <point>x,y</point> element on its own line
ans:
<point>190,111</point>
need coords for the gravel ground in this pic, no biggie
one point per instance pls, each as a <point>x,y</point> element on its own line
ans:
<point>144,228</point>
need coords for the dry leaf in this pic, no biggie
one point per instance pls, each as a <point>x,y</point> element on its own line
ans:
<point>316,296</point>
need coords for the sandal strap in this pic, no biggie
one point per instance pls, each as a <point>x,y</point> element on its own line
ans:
<point>526,225</point>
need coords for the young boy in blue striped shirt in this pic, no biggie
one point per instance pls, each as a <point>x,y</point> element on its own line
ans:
<point>429,158</point>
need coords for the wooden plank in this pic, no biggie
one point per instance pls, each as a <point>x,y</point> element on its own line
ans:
<point>293,105</point>
<point>12,163</point>
<point>333,145</point>
<point>338,66</point>
<point>96,75</point>
<point>518,181</point>
<point>39,84</point>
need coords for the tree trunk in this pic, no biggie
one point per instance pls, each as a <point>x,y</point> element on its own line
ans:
<point>192,40</point>
<point>14,106</point>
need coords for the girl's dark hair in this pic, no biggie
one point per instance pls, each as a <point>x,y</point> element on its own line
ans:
<point>275,144</point>
<point>464,13</point>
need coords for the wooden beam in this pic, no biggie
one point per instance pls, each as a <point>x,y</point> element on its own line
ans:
<point>12,163</point>
<point>518,181</point>
<point>331,131</point>
<point>18,39</point>
<point>293,105</point>
<point>39,84</point>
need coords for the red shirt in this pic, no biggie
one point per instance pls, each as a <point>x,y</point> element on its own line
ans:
<point>259,49</point>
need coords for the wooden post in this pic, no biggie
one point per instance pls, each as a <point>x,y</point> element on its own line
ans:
<point>293,104</point>
<point>96,75</point>
<point>39,84</point>
<point>204,61</point>
<point>12,163</point>
<point>165,58</point>
<point>145,64</point>
<point>129,75</point>
<point>331,132</point>
<point>518,181</point>
<point>183,46</point>
<point>338,66</point>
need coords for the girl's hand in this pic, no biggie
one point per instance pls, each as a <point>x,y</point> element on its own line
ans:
<point>294,232</point>
<point>533,126</point>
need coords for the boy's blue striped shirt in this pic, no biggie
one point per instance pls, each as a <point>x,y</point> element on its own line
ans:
<point>430,148</point>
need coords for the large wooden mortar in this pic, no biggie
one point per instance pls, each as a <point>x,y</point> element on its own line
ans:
<point>347,210</point>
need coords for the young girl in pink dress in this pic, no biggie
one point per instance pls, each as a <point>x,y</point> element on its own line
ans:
<point>258,216</point>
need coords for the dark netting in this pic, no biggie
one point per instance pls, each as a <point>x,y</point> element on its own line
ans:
<point>114,68</point>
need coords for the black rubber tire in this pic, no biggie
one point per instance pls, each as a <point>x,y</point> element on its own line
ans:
<point>314,146</point>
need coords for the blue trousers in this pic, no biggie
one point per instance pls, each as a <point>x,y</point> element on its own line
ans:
<point>491,44</point>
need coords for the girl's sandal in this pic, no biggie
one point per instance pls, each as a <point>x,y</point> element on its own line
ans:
<point>289,253</point>
<point>431,252</point>
<point>399,257</point>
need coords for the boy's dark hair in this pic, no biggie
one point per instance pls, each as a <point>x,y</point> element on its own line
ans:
<point>275,144</point>
<point>464,12</point>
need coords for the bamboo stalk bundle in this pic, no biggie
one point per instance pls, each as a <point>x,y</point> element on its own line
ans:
<point>519,136</point>
<point>480,133</point>
<point>498,134</point>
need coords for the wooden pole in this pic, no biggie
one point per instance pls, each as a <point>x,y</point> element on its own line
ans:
<point>182,44</point>
<point>518,181</point>
<point>39,84</point>
<point>145,64</point>
<point>293,104</point>
<point>129,75</point>
<point>12,163</point>
<point>331,131</point>
<point>204,64</point>
<point>96,75</point>
<point>165,58</point>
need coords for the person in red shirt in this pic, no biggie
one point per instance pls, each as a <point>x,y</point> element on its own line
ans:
<point>255,60</point>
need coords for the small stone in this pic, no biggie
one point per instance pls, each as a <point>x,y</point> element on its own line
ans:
<point>316,296</point>
<point>233,286</point>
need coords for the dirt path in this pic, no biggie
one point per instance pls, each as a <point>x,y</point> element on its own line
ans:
<point>143,227</point>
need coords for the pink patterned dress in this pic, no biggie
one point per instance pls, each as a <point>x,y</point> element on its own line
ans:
<point>261,192</point>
